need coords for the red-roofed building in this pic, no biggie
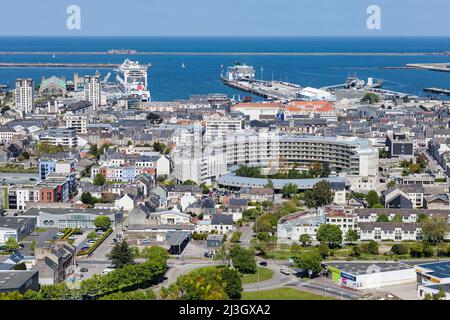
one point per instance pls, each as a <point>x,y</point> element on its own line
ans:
<point>309,109</point>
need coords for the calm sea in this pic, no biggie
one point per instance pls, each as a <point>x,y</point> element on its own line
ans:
<point>169,81</point>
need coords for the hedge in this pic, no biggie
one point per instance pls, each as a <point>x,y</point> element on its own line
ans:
<point>68,233</point>
<point>129,278</point>
<point>96,243</point>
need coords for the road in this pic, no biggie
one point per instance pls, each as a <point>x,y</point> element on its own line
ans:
<point>278,280</point>
<point>246,235</point>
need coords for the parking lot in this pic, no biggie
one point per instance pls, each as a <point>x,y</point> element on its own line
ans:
<point>195,249</point>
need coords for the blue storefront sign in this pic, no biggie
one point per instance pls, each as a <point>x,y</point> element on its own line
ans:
<point>347,276</point>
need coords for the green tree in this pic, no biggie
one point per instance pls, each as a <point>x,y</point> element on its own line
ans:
<point>428,296</point>
<point>320,195</point>
<point>422,217</point>
<point>201,284</point>
<point>428,249</point>
<point>370,98</point>
<point>243,259</point>
<point>266,223</point>
<point>391,184</point>
<point>11,244</point>
<point>397,218</point>
<point>155,254</point>
<point>441,295</point>
<point>249,172</point>
<point>356,251</point>
<point>310,261</point>
<point>383,218</point>
<point>378,206</point>
<point>205,189</point>
<point>93,150</point>
<point>33,245</point>
<point>189,183</point>
<point>324,250</point>
<point>99,180</point>
<point>315,169</point>
<point>435,229</point>
<point>295,248</point>
<point>289,190</point>
<point>87,198</point>
<point>133,295</point>
<point>305,239</point>
<point>416,249</point>
<point>269,184</point>
<point>159,146</point>
<point>383,154</point>
<point>102,222</point>
<point>399,249</point>
<point>20,266</point>
<point>330,234</point>
<point>233,283</point>
<point>351,236</point>
<point>372,198</point>
<point>235,238</point>
<point>372,247</point>
<point>92,235</point>
<point>121,255</point>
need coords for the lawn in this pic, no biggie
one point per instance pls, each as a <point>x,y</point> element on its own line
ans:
<point>282,294</point>
<point>264,274</point>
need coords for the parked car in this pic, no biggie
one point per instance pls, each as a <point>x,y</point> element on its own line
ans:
<point>72,238</point>
<point>263,263</point>
<point>34,234</point>
<point>60,233</point>
<point>285,271</point>
<point>84,270</point>
<point>107,270</point>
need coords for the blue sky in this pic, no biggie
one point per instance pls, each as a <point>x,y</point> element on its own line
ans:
<point>225,17</point>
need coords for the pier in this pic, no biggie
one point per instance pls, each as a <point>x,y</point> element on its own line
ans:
<point>437,91</point>
<point>58,65</point>
<point>272,90</point>
<point>442,67</point>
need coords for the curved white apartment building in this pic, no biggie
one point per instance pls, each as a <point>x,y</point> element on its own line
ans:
<point>352,155</point>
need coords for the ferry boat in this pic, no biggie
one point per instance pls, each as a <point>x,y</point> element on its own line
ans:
<point>239,72</point>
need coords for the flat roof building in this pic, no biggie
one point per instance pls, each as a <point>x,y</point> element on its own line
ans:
<point>369,275</point>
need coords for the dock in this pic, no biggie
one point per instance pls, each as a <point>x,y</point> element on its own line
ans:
<point>271,90</point>
<point>441,67</point>
<point>58,65</point>
<point>437,91</point>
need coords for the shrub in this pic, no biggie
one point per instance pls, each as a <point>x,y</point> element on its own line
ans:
<point>399,249</point>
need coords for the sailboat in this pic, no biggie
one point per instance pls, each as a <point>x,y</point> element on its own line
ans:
<point>183,66</point>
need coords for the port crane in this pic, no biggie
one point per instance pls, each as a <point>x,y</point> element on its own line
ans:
<point>106,78</point>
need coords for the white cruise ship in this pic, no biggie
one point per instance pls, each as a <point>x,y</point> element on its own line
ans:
<point>132,79</point>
